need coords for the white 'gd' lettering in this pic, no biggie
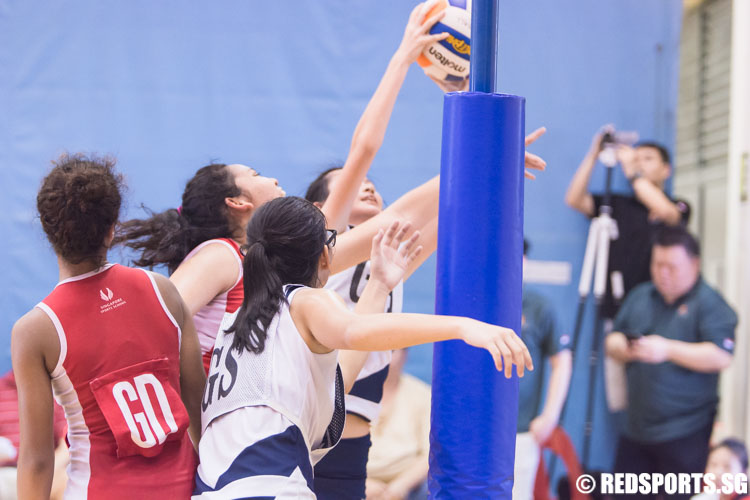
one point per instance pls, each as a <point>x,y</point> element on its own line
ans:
<point>148,421</point>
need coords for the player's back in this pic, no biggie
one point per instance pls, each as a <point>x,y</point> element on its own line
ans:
<point>118,380</point>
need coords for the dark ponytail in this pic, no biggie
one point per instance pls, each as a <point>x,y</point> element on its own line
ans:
<point>285,238</point>
<point>167,237</point>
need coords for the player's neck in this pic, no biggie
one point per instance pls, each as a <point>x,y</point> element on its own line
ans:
<point>70,270</point>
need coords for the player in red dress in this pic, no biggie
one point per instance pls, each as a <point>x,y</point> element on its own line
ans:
<point>117,349</point>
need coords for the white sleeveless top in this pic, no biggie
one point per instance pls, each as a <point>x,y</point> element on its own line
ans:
<point>364,398</point>
<point>305,387</point>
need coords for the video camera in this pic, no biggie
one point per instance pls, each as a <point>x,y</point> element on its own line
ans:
<point>612,138</point>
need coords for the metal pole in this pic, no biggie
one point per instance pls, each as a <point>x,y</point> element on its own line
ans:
<point>483,46</point>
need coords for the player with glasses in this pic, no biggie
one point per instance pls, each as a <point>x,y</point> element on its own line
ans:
<point>273,404</point>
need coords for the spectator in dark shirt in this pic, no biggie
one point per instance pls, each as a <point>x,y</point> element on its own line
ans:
<point>638,216</point>
<point>674,334</point>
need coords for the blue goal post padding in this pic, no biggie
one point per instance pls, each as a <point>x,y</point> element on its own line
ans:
<point>479,275</point>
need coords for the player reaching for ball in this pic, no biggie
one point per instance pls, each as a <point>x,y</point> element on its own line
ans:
<point>342,474</point>
<point>200,241</point>
<point>274,400</point>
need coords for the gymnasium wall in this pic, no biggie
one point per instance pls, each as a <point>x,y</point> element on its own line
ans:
<point>169,86</point>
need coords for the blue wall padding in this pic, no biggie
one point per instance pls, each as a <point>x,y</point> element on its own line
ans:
<point>479,271</point>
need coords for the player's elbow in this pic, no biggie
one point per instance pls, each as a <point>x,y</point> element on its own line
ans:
<point>355,334</point>
<point>350,337</point>
<point>36,464</point>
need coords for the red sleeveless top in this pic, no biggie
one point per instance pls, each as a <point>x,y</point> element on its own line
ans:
<point>118,380</point>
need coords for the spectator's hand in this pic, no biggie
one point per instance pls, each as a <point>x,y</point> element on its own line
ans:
<point>596,141</point>
<point>417,33</point>
<point>626,157</point>
<point>532,161</point>
<point>451,86</point>
<point>374,489</point>
<point>618,347</point>
<point>541,428</point>
<point>653,349</point>
<point>388,262</point>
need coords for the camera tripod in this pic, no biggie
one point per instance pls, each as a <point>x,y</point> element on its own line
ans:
<point>602,230</point>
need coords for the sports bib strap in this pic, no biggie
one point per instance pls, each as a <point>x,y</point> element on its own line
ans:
<point>336,426</point>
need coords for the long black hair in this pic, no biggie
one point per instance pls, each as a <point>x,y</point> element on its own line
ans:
<point>167,237</point>
<point>285,238</point>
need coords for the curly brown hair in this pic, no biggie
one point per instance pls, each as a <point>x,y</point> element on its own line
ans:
<point>78,204</point>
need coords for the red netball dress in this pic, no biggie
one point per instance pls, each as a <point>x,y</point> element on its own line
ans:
<point>118,380</point>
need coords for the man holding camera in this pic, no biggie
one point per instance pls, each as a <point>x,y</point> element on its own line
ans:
<point>647,168</point>
<point>674,334</point>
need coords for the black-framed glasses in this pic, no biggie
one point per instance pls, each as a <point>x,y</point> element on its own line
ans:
<point>331,237</point>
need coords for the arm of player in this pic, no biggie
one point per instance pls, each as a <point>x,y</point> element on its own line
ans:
<point>419,207</point>
<point>370,131</point>
<point>328,322</point>
<point>559,381</point>
<point>428,241</point>
<point>192,375</point>
<point>578,196</point>
<point>32,336</point>
<point>388,263</point>
<point>210,272</point>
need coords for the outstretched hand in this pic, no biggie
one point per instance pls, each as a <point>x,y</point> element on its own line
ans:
<point>532,161</point>
<point>507,348</point>
<point>417,35</point>
<point>389,260</point>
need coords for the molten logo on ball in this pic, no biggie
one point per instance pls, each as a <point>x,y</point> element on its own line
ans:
<point>449,59</point>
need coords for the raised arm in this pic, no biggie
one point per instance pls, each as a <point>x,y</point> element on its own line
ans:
<point>419,206</point>
<point>370,130</point>
<point>192,376</point>
<point>659,205</point>
<point>34,350</point>
<point>389,261</point>
<point>578,196</point>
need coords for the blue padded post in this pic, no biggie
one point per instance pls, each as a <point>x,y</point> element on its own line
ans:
<point>479,272</point>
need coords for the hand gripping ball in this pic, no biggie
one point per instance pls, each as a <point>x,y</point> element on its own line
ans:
<point>449,58</point>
